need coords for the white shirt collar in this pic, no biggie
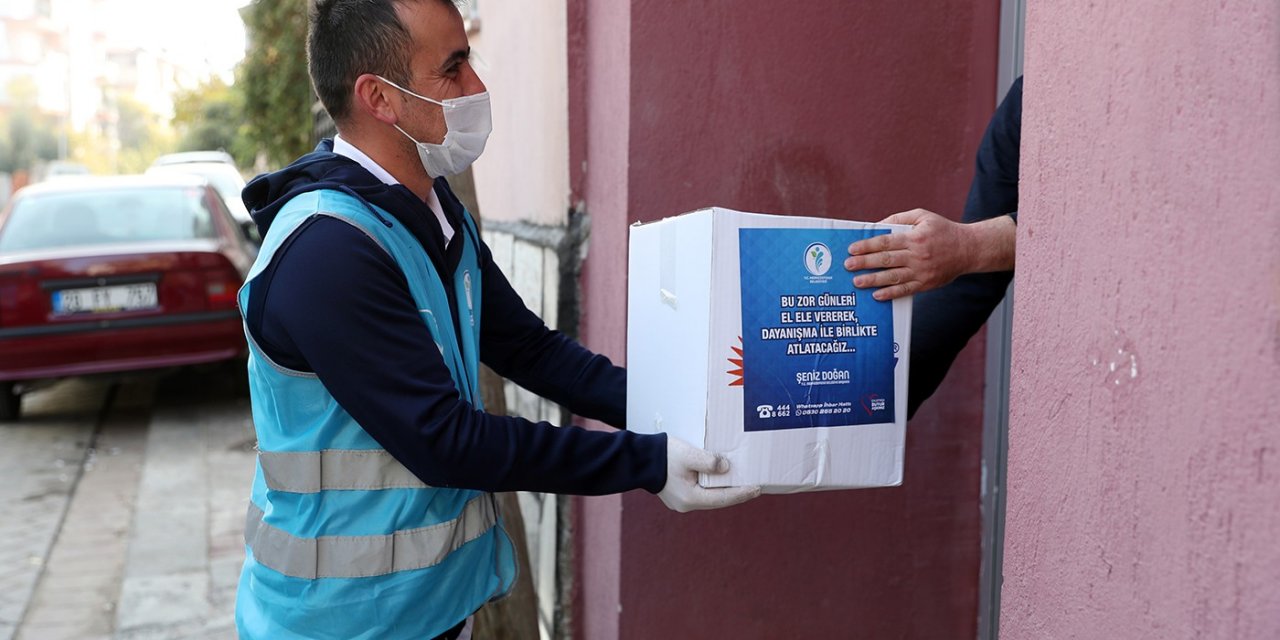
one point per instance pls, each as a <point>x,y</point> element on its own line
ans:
<point>346,149</point>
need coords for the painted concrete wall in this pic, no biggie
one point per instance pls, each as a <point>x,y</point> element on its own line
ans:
<point>850,110</point>
<point>1144,464</point>
<point>599,116</point>
<point>524,172</point>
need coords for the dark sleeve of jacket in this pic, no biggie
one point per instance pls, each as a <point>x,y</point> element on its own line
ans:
<point>518,345</point>
<point>943,320</point>
<point>335,303</point>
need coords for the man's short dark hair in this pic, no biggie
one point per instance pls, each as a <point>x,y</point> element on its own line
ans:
<point>347,38</point>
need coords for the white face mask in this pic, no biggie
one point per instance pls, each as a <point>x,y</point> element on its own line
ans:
<point>468,123</point>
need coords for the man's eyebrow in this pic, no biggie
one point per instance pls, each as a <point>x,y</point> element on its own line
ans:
<point>461,55</point>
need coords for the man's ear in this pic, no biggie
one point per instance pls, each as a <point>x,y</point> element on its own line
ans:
<point>376,98</point>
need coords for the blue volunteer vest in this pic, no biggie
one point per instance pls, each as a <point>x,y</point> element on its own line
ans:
<point>342,541</point>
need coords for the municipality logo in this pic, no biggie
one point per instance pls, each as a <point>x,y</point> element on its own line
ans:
<point>817,259</point>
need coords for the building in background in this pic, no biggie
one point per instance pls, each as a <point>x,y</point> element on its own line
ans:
<point>35,98</point>
<point>147,77</point>
<point>34,50</point>
<point>66,59</point>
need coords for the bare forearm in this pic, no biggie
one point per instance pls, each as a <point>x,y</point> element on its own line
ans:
<point>992,244</point>
<point>932,253</point>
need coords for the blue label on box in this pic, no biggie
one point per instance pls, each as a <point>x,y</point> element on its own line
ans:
<point>815,351</point>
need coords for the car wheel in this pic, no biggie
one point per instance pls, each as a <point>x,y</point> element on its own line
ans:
<point>10,402</point>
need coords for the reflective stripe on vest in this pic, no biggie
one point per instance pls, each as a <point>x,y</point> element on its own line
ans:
<point>366,556</point>
<point>335,469</point>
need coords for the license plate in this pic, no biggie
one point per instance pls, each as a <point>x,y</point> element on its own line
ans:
<point>126,297</point>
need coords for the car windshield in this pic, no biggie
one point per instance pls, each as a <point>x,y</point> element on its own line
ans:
<point>109,216</point>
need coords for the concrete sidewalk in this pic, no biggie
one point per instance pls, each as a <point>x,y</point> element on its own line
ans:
<point>187,537</point>
<point>128,514</point>
<point>40,459</point>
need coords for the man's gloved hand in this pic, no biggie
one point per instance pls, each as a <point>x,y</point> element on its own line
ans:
<point>682,493</point>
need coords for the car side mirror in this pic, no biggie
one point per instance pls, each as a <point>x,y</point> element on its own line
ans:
<point>250,230</point>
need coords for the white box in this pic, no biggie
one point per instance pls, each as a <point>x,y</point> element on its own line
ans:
<point>818,397</point>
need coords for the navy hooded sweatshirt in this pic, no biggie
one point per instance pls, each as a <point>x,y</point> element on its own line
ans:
<point>334,303</point>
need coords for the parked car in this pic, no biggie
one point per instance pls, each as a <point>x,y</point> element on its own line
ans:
<point>224,177</point>
<point>104,275</point>
<point>60,169</point>
<point>194,156</point>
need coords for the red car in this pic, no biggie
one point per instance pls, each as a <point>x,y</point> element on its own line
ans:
<point>104,275</point>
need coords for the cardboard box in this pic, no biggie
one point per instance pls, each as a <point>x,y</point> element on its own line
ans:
<point>745,336</point>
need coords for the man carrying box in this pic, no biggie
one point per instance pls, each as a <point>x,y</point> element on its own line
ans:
<point>369,310</point>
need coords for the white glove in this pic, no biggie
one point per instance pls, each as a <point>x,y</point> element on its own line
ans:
<point>683,493</point>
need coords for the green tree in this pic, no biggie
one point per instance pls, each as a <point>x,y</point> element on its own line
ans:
<point>136,126</point>
<point>26,136</point>
<point>211,117</point>
<point>273,79</point>
<point>141,135</point>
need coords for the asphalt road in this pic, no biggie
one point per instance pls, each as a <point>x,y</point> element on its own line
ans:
<point>123,505</point>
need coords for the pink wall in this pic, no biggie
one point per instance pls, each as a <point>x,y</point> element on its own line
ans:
<point>599,66</point>
<point>832,108</point>
<point>1145,502</point>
